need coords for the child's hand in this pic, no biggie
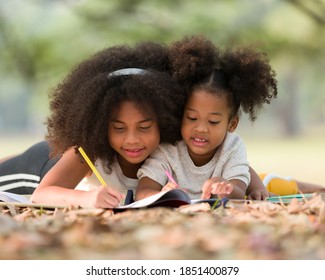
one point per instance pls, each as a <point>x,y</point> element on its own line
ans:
<point>169,186</point>
<point>260,194</point>
<point>217,186</point>
<point>104,197</point>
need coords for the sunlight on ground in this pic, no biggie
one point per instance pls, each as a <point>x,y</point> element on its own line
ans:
<point>302,158</point>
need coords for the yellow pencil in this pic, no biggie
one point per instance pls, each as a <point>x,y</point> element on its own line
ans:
<point>92,167</point>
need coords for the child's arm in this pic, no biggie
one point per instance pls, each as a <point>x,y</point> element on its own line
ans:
<point>147,187</point>
<point>223,188</point>
<point>256,190</point>
<point>57,186</point>
<point>152,174</point>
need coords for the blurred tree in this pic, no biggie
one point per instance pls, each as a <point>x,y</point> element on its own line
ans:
<point>40,43</point>
<point>314,9</point>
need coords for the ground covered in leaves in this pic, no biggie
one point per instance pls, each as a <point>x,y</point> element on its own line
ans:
<point>255,230</point>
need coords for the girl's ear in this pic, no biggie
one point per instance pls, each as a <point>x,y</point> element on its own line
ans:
<point>233,123</point>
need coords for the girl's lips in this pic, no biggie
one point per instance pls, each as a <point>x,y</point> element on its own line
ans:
<point>199,142</point>
<point>133,152</point>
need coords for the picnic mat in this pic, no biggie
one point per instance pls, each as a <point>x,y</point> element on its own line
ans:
<point>243,230</point>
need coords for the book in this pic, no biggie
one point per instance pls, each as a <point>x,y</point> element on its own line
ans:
<point>19,200</point>
<point>172,198</point>
<point>288,198</point>
<point>12,198</point>
<point>177,197</point>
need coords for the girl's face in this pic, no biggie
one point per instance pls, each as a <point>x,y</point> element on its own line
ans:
<point>205,125</point>
<point>133,135</point>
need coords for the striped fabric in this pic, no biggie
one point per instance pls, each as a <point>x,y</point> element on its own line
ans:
<point>21,174</point>
<point>20,183</point>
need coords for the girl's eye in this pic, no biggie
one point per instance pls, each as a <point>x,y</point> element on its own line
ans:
<point>191,118</point>
<point>118,127</point>
<point>214,122</point>
<point>145,125</point>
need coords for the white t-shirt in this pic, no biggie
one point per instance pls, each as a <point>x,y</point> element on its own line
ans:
<point>229,162</point>
<point>114,179</point>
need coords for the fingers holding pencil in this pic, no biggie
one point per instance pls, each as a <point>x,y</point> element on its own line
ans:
<point>169,186</point>
<point>104,196</point>
<point>172,184</point>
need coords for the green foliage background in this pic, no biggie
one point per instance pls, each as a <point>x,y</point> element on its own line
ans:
<point>40,40</point>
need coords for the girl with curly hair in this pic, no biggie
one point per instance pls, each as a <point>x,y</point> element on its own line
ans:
<point>190,60</point>
<point>118,106</point>
<point>211,158</point>
<point>247,73</point>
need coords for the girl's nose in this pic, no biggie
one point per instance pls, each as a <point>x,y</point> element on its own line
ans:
<point>132,137</point>
<point>201,127</point>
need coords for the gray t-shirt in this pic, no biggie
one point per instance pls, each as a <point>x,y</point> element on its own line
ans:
<point>229,162</point>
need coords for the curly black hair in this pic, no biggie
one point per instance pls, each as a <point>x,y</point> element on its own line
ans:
<point>243,74</point>
<point>192,59</point>
<point>83,103</point>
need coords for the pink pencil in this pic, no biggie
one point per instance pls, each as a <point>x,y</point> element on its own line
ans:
<point>170,177</point>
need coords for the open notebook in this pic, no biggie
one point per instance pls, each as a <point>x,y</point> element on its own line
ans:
<point>12,197</point>
<point>172,198</point>
<point>7,198</point>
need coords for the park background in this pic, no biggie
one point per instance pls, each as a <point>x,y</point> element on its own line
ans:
<point>41,40</point>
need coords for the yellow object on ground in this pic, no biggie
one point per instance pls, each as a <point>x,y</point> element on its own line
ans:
<point>279,185</point>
